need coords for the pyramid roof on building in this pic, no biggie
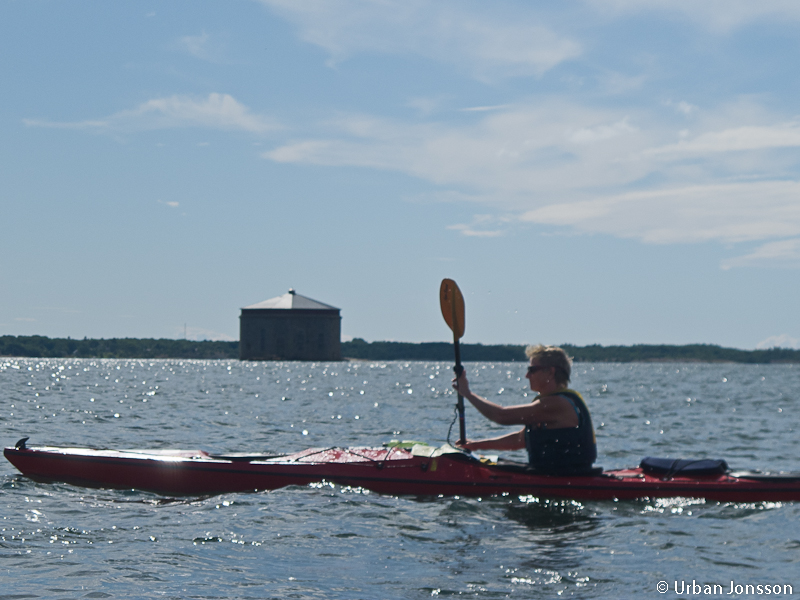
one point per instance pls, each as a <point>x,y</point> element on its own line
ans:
<point>290,300</point>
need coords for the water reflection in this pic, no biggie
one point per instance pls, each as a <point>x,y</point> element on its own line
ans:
<point>558,519</point>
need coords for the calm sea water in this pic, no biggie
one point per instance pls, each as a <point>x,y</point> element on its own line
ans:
<point>59,541</point>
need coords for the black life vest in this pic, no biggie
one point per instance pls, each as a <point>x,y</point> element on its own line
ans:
<point>569,450</point>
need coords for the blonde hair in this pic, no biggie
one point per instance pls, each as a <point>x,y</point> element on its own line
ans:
<point>552,356</point>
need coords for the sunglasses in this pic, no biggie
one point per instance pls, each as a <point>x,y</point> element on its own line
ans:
<point>533,368</point>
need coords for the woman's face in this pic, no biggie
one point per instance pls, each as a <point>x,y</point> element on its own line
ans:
<point>539,376</point>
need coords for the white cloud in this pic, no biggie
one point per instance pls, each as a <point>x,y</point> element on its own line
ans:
<point>195,44</point>
<point>601,132</point>
<point>66,125</point>
<point>727,213</point>
<point>198,334</point>
<point>482,39</point>
<point>485,108</point>
<point>779,341</point>
<point>716,15</point>
<point>786,135</point>
<point>203,46</point>
<point>516,157</point>
<point>471,231</point>
<point>217,111</point>
<point>481,226</point>
<point>589,170</point>
<point>425,106</point>
<point>682,107</point>
<point>783,253</point>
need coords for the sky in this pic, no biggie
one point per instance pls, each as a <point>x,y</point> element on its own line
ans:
<point>587,171</point>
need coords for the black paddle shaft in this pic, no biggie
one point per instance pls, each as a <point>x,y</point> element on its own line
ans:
<point>459,369</point>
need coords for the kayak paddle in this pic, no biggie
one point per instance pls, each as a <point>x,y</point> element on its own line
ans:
<point>452,303</point>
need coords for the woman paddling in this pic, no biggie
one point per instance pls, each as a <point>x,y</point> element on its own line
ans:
<point>557,432</point>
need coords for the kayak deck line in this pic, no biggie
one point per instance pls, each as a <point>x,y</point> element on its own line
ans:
<point>417,471</point>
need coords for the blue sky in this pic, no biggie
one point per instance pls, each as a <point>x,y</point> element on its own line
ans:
<point>596,171</point>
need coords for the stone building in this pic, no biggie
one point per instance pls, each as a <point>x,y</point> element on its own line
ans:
<point>290,327</point>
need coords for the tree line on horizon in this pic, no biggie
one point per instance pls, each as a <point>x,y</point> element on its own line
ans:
<point>44,347</point>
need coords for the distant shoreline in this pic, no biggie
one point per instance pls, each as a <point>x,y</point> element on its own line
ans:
<point>358,349</point>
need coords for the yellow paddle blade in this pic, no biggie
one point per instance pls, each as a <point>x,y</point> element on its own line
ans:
<point>452,307</point>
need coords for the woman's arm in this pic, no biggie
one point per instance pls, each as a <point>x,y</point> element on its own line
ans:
<point>552,411</point>
<point>510,441</point>
<point>503,415</point>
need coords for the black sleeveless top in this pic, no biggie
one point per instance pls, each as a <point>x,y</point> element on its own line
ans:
<point>566,451</point>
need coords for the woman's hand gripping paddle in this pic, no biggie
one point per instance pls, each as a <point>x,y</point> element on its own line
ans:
<point>452,303</point>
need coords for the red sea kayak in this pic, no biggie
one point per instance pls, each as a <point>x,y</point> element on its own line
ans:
<point>417,471</point>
